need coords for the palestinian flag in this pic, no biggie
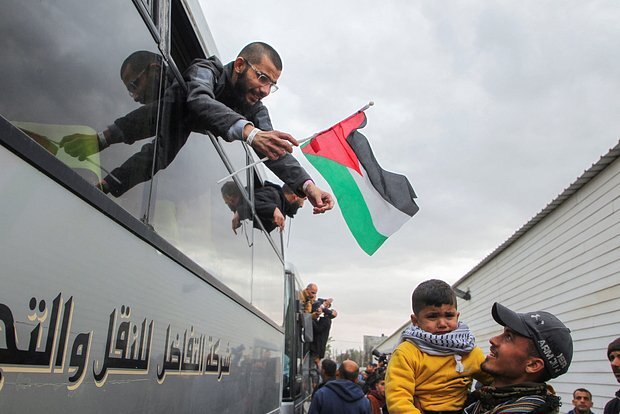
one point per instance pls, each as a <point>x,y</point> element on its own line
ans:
<point>375,203</point>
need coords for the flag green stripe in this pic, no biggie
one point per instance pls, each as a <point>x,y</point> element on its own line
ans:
<point>352,203</point>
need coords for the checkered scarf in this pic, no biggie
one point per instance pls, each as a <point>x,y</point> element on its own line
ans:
<point>458,342</point>
<point>520,398</point>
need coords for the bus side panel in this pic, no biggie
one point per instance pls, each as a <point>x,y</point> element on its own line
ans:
<point>94,319</point>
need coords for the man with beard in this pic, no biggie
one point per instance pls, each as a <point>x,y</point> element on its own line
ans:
<point>271,203</point>
<point>534,347</point>
<point>307,297</point>
<point>613,355</point>
<point>226,100</point>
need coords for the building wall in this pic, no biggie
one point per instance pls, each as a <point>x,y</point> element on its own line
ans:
<point>391,342</point>
<point>567,264</point>
<point>370,343</point>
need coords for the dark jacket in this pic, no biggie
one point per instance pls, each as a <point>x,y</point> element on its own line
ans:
<point>377,401</point>
<point>324,383</point>
<point>208,104</point>
<point>266,200</point>
<point>613,406</point>
<point>340,397</point>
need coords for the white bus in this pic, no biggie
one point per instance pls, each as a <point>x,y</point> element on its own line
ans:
<point>146,300</point>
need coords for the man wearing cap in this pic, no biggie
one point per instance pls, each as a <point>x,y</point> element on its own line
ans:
<point>613,355</point>
<point>533,348</point>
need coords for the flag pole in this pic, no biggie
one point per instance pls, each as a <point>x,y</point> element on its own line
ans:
<point>258,162</point>
<point>303,141</point>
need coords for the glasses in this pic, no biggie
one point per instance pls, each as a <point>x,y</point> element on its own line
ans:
<point>264,79</point>
<point>132,85</point>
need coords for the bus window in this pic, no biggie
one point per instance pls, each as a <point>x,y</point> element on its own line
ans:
<point>185,46</point>
<point>267,277</point>
<point>62,84</point>
<point>189,210</point>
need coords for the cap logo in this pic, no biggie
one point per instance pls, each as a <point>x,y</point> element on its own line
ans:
<point>556,362</point>
<point>537,319</point>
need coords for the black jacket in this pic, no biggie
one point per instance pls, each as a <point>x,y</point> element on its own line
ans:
<point>613,406</point>
<point>266,200</point>
<point>208,104</point>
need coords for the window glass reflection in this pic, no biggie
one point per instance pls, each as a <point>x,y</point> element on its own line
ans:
<point>86,82</point>
<point>61,77</point>
<point>267,278</point>
<point>190,212</point>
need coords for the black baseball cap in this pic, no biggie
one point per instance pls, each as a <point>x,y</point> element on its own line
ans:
<point>551,337</point>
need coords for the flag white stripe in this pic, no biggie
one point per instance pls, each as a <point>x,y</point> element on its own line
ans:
<point>386,218</point>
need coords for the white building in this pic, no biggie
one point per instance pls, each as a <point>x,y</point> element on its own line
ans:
<point>565,260</point>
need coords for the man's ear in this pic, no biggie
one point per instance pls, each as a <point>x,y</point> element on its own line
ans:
<point>535,365</point>
<point>239,65</point>
<point>414,319</point>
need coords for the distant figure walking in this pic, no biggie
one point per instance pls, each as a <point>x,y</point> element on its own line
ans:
<point>343,395</point>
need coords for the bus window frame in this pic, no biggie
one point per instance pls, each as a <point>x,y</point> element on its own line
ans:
<point>147,16</point>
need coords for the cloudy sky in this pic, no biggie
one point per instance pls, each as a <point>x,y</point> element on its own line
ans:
<point>490,109</point>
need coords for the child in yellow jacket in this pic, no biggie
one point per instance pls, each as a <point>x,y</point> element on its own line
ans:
<point>432,369</point>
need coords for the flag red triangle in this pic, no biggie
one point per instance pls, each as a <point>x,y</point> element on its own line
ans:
<point>332,143</point>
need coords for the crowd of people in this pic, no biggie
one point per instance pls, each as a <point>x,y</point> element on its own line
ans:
<point>432,370</point>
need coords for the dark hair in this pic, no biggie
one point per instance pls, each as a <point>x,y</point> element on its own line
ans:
<point>140,60</point>
<point>583,390</point>
<point>329,367</point>
<point>432,292</point>
<point>230,189</point>
<point>348,375</point>
<point>287,189</point>
<point>380,377</point>
<point>255,51</point>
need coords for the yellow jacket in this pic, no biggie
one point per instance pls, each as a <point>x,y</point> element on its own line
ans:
<point>416,380</point>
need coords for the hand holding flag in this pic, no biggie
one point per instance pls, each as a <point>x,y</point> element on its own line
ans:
<point>273,144</point>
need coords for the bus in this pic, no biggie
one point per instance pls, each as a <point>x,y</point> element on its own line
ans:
<point>146,299</point>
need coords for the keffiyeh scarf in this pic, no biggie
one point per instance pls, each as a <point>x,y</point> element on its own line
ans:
<point>458,342</point>
<point>521,398</point>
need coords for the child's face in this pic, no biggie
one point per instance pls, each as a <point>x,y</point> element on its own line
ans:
<point>437,319</point>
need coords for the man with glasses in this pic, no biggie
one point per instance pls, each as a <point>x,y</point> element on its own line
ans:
<point>533,348</point>
<point>141,74</point>
<point>226,100</point>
